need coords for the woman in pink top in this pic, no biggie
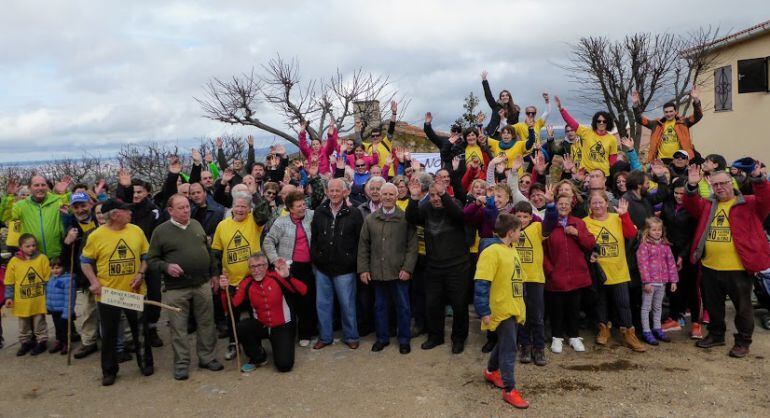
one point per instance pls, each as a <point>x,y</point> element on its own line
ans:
<point>316,151</point>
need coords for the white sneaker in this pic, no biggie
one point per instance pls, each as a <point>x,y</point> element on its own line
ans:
<point>230,354</point>
<point>304,343</point>
<point>556,345</point>
<point>577,344</point>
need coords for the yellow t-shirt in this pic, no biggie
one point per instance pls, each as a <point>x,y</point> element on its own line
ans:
<point>237,241</point>
<point>402,203</point>
<point>383,150</point>
<point>670,142</point>
<point>530,248</point>
<point>612,247</point>
<point>14,232</point>
<point>576,152</point>
<point>472,151</point>
<point>596,149</point>
<point>518,149</point>
<point>500,265</point>
<point>720,253</point>
<point>117,255</point>
<point>522,131</point>
<point>28,278</point>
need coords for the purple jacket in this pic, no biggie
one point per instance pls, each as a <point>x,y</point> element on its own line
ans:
<point>656,263</point>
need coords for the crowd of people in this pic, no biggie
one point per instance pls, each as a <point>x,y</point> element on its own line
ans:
<point>355,235</point>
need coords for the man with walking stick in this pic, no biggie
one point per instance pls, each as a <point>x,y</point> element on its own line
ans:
<point>180,253</point>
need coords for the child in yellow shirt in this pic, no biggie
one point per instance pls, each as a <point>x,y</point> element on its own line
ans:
<point>25,281</point>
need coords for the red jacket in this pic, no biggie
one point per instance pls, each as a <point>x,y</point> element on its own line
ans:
<point>746,218</point>
<point>564,260</point>
<point>266,297</point>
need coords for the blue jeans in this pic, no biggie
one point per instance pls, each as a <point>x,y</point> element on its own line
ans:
<point>345,287</point>
<point>399,291</point>
<point>503,356</point>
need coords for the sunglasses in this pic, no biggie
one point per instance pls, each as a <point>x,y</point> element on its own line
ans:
<point>360,165</point>
<point>531,113</point>
<point>680,157</point>
<point>601,121</point>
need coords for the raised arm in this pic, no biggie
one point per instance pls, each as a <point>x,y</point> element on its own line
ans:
<point>572,123</point>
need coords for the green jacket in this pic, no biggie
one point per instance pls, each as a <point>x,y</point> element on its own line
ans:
<point>43,221</point>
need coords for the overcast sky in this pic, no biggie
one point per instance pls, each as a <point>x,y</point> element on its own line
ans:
<point>81,75</point>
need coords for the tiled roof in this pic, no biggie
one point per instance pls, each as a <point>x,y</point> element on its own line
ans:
<point>733,38</point>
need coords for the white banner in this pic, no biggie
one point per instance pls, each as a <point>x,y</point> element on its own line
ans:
<point>431,160</point>
<point>122,299</point>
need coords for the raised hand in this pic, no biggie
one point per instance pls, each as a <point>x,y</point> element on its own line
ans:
<point>484,75</point>
<point>557,100</point>
<point>498,159</point>
<point>303,126</point>
<point>480,118</point>
<point>518,162</point>
<point>250,140</point>
<point>627,143</point>
<point>454,137</point>
<point>279,149</point>
<point>416,167</point>
<point>219,143</point>
<point>227,176</point>
<point>540,163</point>
<point>174,165</point>
<point>546,97</point>
<point>11,186</point>
<point>693,174</point>
<point>635,98</point>
<point>312,169</point>
<point>99,187</point>
<point>209,158</point>
<point>456,163</point>
<point>549,192</point>
<point>343,148</point>
<point>399,151</point>
<point>549,131</point>
<point>124,177</point>
<point>61,186</point>
<point>332,126</point>
<point>393,107</point>
<point>281,267</point>
<point>568,164</point>
<point>428,118</point>
<point>658,168</point>
<point>622,208</point>
<point>196,156</point>
<point>695,94</point>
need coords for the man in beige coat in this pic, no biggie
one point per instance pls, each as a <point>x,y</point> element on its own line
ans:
<point>387,254</point>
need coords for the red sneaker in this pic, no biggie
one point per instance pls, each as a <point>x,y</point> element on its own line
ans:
<point>671,325</point>
<point>696,333</point>
<point>514,398</point>
<point>494,378</point>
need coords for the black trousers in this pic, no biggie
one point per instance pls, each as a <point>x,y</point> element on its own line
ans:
<point>443,285</point>
<point>251,333</point>
<point>110,326</point>
<point>60,326</point>
<point>564,312</point>
<point>365,308</point>
<point>687,294</point>
<point>737,285</point>
<point>304,306</point>
<point>152,313</point>
<point>618,295</point>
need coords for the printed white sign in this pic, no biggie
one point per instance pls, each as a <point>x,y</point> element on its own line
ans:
<point>431,160</point>
<point>122,299</point>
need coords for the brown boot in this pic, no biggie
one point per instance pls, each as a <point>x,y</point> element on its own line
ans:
<point>630,340</point>
<point>603,337</point>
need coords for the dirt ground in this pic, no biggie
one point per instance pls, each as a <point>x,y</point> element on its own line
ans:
<point>673,379</point>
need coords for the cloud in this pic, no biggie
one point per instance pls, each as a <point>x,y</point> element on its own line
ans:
<point>90,75</point>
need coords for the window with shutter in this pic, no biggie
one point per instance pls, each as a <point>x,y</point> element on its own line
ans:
<point>752,75</point>
<point>723,86</point>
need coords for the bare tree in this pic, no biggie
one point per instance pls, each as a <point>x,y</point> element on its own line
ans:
<point>241,100</point>
<point>696,59</point>
<point>607,72</point>
<point>147,161</point>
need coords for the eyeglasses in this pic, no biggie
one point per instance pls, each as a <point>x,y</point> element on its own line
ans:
<point>524,182</point>
<point>721,184</point>
<point>531,113</point>
<point>360,165</point>
<point>601,121</point>
<point>259,265</point>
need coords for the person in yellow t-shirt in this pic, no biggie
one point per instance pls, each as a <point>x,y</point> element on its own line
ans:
<point>499,302</point>
<point>235,239</point>
<point>505,146</point>
<point>730,247</point>
<point>530,249</point>
<point>114,257</point>
<point>599,148</point>
<point>611,230</point>
<point>531,120</point>
<point>25,279</point>
<point>669,142</point>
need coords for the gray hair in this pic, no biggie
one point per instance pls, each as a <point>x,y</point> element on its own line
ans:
<point>345,184</point>
<point>389,185</point>
<point>375,179</point>
<point>242,196</point>
<point>426,180</point>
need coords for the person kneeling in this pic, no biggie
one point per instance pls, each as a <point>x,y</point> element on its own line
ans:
<point>264,290</point>
<point>499,302</point>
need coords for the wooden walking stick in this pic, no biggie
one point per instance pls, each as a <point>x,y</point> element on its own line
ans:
<point>70,307</point>
<point>232,323</point>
